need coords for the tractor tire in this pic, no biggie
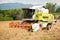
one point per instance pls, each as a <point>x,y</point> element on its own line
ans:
<point>49,27</point>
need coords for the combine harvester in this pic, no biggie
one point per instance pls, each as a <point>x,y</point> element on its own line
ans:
<point>40,19</point>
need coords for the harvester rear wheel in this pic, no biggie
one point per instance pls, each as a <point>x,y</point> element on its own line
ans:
<point>49,27</point>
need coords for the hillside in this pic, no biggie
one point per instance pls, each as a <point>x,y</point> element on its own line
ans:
<point>14,6</point>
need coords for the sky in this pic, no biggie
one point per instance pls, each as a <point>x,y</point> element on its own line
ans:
<point>33,2</point>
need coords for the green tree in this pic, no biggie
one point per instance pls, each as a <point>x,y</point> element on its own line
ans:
<point>19,14</point>
<point>50,6</point>
<point>58,9</point>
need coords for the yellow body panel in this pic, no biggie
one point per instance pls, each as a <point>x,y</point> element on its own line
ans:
<point>43,16</point>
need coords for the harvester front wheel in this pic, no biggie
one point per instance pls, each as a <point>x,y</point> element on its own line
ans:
<point>49,27</point>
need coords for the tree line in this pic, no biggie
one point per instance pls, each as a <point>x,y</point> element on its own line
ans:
<point>12,14</point>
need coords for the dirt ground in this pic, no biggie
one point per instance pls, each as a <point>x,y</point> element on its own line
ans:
<point>7,33</point>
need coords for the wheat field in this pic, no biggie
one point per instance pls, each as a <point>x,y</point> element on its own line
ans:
<point>7,33</point>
